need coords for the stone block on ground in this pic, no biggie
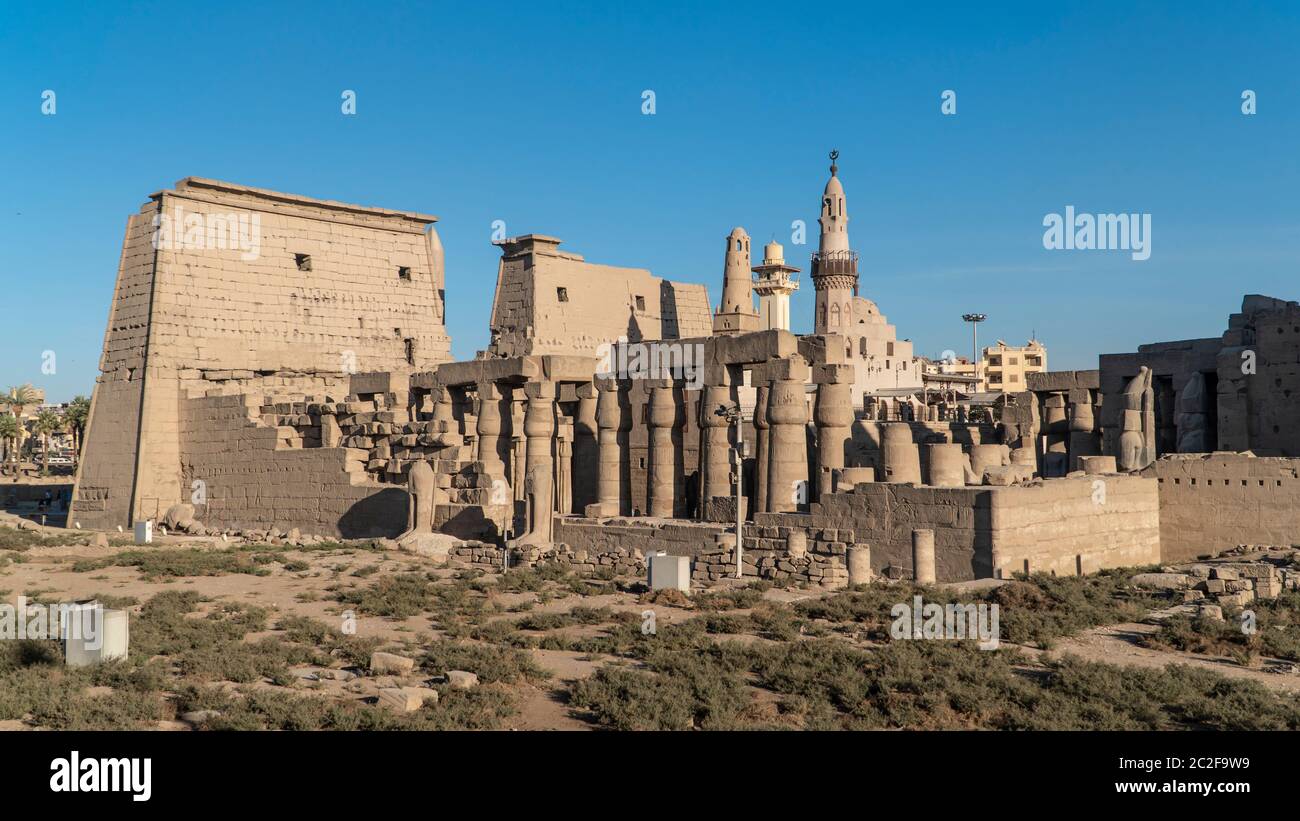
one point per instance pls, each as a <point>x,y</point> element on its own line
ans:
<point>1164,581</point>
<point>407,699</point>
<point>382,663</point>
<point>462,679</point>
<point>434,546</point>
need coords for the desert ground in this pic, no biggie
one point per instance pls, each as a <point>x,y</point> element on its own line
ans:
<point>233,635</point>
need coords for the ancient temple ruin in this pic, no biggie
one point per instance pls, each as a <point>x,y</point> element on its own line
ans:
<point>306,384</point>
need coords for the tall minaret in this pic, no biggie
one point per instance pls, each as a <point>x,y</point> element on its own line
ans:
<point>736,312</point>
<point>835,265</point>
<point>774,283</point>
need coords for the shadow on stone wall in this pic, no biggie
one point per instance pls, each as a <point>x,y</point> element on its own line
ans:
<point>380,515</point>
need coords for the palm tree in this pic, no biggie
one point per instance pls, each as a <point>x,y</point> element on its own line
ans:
<point>47,422</point>
<point>9,429</point>
<point>17,399</point>
<point>77,414</point>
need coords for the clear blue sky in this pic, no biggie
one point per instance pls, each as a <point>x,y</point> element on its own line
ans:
<point>532,115</point>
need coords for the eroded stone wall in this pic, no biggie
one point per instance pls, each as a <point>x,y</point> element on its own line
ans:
<point>1214,502</point>
<point>223,288</point>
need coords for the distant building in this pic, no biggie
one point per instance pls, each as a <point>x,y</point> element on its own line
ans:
<point>1004,367</point>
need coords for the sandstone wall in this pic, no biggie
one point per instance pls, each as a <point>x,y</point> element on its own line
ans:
<point>604,536</point>
<point>1073,526</point>
<point>218,309</point>
<point>983,532</point>
<point>106,473</point>
<point>1213,502</point>
<point>884,516</point>
<point>254,476</point>
<point>550,301</point>
<point>245,286</point>
<point>1257,411</point>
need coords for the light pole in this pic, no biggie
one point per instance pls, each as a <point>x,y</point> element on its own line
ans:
<point>733,413</point>
<point>975,320</point>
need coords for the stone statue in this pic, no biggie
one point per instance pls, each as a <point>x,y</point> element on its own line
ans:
<point>420,487</point>
<point>538,490</point>
<point>424,496</point>
<point>1192,420</point>
<point>1137,441</point>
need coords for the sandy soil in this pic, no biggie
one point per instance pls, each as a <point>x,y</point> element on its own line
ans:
<point>47,572</point>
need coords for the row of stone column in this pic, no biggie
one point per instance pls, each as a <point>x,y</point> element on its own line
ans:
<point>782,479</point>
<point>950,465</point>
<point>532,459</point>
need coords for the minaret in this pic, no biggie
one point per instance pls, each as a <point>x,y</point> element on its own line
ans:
<point>736,313</point>
<point>774,283</point>
<point>835,265</point>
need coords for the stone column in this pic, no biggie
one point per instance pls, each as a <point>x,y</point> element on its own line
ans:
<point>901,455</point>
<point>947,468</point>
<point>539,430</point>
<point>761,446</point>
<point>787,414</point>
<point>444,417</point>
<point>564,468</point>
<point>923,556</point>
<point>586,449</point>
<point>1056,428</point>
<point>988,456</point>
<point>1083,428</point>
<point>660,480</point>
<point>519,444</point>
<point>609,418</point>
<point>488,428</point>
<point>1098,465</point>
<point>833,416</point>
<point>858,559</point>
<point>715,446</point>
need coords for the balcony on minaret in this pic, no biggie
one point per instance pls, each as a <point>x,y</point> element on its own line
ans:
<point>835,263</point>
<point>783,279</point>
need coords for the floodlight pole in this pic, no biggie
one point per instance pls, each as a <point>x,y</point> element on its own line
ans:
<point>975,320</point>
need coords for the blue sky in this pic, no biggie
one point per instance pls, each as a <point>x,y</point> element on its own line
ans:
<point>531,114</point>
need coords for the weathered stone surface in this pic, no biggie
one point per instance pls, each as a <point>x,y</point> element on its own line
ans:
<point>462,679</point>
<point>178,516</point>
<point>1164,581</point>
<point>382,663</point>
<point>407,699</point>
